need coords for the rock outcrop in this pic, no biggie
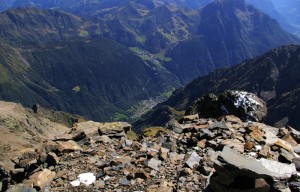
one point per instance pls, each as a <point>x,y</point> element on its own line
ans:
<point>244,105</point>
<point>272,76</point>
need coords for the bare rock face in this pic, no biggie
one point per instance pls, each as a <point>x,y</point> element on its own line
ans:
<point>244,105</point>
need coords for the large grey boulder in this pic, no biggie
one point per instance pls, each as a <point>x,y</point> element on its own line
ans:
<point>236,172</point>
<point>114,129</point>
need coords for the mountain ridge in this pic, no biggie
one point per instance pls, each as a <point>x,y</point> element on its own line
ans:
<point>272,76</point>
<point>228,33</point>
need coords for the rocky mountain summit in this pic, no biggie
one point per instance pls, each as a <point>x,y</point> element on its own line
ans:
<point>202,154</point>
<point>242,104</point>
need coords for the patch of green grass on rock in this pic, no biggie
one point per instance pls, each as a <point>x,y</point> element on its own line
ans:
<point>76,89</point>
<point>152,131</point>
<point>120,117</point>
<point>131,135</point>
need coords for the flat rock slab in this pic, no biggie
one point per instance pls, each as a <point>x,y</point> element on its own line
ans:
<point>68,146</point>
<point>193,160</point>
<point>124,181</point>
<point>41,179</point>
<point>262,167</point>
<point>154,163</point>
<point>116,129</point>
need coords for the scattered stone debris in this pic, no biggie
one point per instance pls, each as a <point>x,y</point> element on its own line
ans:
<point>224,154</point>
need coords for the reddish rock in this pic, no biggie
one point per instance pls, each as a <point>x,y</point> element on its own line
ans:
<point>258,135</point>
<point>201,143</point>
<point>40,180</point>
<point>264,152</point>
<point>288,138</point>
<point>68,146</point>
<point>249,145</point>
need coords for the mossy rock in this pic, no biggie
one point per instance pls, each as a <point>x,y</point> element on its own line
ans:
<point>131,135</point>
<point>153,131</point>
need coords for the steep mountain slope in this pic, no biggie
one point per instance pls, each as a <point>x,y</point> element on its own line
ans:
<point>274,77</point>
<point>30,129</point>
<point>50,63</point>
<point>34,25</point>
<point>148,24</point>
<point>152,29</point>
<point>228,32</point>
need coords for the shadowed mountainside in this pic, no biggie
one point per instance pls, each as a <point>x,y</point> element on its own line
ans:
<point>52,62</point>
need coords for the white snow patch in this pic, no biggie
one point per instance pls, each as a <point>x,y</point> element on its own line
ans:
<point>258,147</point>
<point>244,99</point>
<point>85,178</point>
